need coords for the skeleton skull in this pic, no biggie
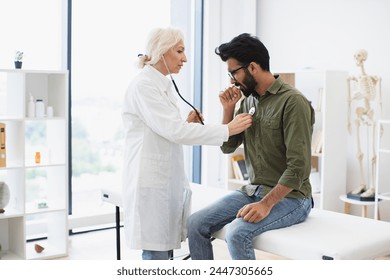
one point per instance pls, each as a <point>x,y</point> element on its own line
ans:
<point>360,56</point>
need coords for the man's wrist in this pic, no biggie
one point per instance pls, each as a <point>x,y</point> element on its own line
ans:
<point>228,115</point>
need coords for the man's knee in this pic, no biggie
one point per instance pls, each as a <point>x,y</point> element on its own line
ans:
<point>233,233</point>
<point>198,223</point>
<point>194,222</point>
<point>191,222</point>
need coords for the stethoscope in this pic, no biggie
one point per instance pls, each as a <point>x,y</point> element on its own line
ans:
<point>252,110</point>
<point>178,92</point>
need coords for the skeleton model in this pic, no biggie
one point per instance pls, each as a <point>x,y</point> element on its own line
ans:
<point>364,91</point>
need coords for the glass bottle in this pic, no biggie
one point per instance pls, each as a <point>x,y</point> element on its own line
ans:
<point>37,157</point>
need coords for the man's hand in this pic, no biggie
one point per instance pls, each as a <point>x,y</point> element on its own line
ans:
<point>229,97</point>
<point>253,212</point>
<point>257,211</point>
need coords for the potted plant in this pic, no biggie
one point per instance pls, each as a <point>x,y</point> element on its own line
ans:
<point>18,59</point>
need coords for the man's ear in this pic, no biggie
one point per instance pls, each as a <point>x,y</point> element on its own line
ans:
<point>253,67</point>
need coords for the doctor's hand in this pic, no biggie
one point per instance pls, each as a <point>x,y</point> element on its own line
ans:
<point>229,97</point>
<point>193,117</point>
<point>239,123</point>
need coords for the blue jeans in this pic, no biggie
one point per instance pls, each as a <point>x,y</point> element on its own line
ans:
<point>156,255</point>
<point>240,234</point>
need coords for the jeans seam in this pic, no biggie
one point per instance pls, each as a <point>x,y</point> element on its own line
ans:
<point>300,206</point>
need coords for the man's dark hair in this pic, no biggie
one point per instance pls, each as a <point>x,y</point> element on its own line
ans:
<point>245,49</point>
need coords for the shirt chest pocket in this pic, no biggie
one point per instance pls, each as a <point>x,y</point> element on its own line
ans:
<point>272,130</point>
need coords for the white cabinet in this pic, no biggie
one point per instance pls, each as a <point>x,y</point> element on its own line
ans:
<point>382,180</point>
<point>327,91</point>
<point>233,182</point>
<point>38,208</point>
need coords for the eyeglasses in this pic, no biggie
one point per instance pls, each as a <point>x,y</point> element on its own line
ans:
<point>232,73</point>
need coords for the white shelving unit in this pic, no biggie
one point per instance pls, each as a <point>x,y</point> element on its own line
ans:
<point>32,184</point>
<point>382,183</point>
<point>327,90</point>
<point>233,183</point>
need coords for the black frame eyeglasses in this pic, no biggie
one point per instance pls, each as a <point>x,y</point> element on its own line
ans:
<point>232,73</point>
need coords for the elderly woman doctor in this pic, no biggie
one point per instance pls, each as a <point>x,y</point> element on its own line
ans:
<point>156,190</point>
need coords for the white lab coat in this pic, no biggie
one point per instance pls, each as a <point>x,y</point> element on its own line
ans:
<point>156,191</point>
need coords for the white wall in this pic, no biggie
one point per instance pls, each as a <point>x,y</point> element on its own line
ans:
<point>182,17</point>
<point>318,34</point>
<point>38,32</point>
<point>325,35</point>
<point>223,20</point>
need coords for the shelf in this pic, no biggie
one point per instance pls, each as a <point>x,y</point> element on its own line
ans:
<point>32,209</point>
<point>323,90</point>
<point>28,181</point>
<point>12,165</point>
<point>49,252</point>
<point>384,196</point>
<point>18,119</point>
<point>11,237</point>
<point>9,256</point>
<point>316,154</point>
<point>382,190</point>
<point>10,119</point>
<point>316,195</point>
<point>44,165</point>
<point>355,201</point>
<point>23,71</point>
<point>11,213</point>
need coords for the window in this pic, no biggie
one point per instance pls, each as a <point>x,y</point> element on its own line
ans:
<point>107,36</point>
<point>35,28</point>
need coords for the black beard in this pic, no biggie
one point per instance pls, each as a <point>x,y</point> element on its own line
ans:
<point>248,85</point>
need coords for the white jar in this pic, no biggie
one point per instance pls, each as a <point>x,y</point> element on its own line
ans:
<point>39,108</point>
<point>49,111</point>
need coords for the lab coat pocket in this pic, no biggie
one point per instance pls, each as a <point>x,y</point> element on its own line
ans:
<point>156,171</point>
<point>186,211</point>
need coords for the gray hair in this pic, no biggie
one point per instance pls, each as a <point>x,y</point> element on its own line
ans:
<point>159,42</point>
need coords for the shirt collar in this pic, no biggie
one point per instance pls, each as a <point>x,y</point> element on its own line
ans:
<point>162,81</point>
<point>276,85</point>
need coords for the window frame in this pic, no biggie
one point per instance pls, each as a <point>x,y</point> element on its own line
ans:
<point>178,18</point>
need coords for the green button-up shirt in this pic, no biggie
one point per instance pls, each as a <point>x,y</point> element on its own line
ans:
<point>277,146</point>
